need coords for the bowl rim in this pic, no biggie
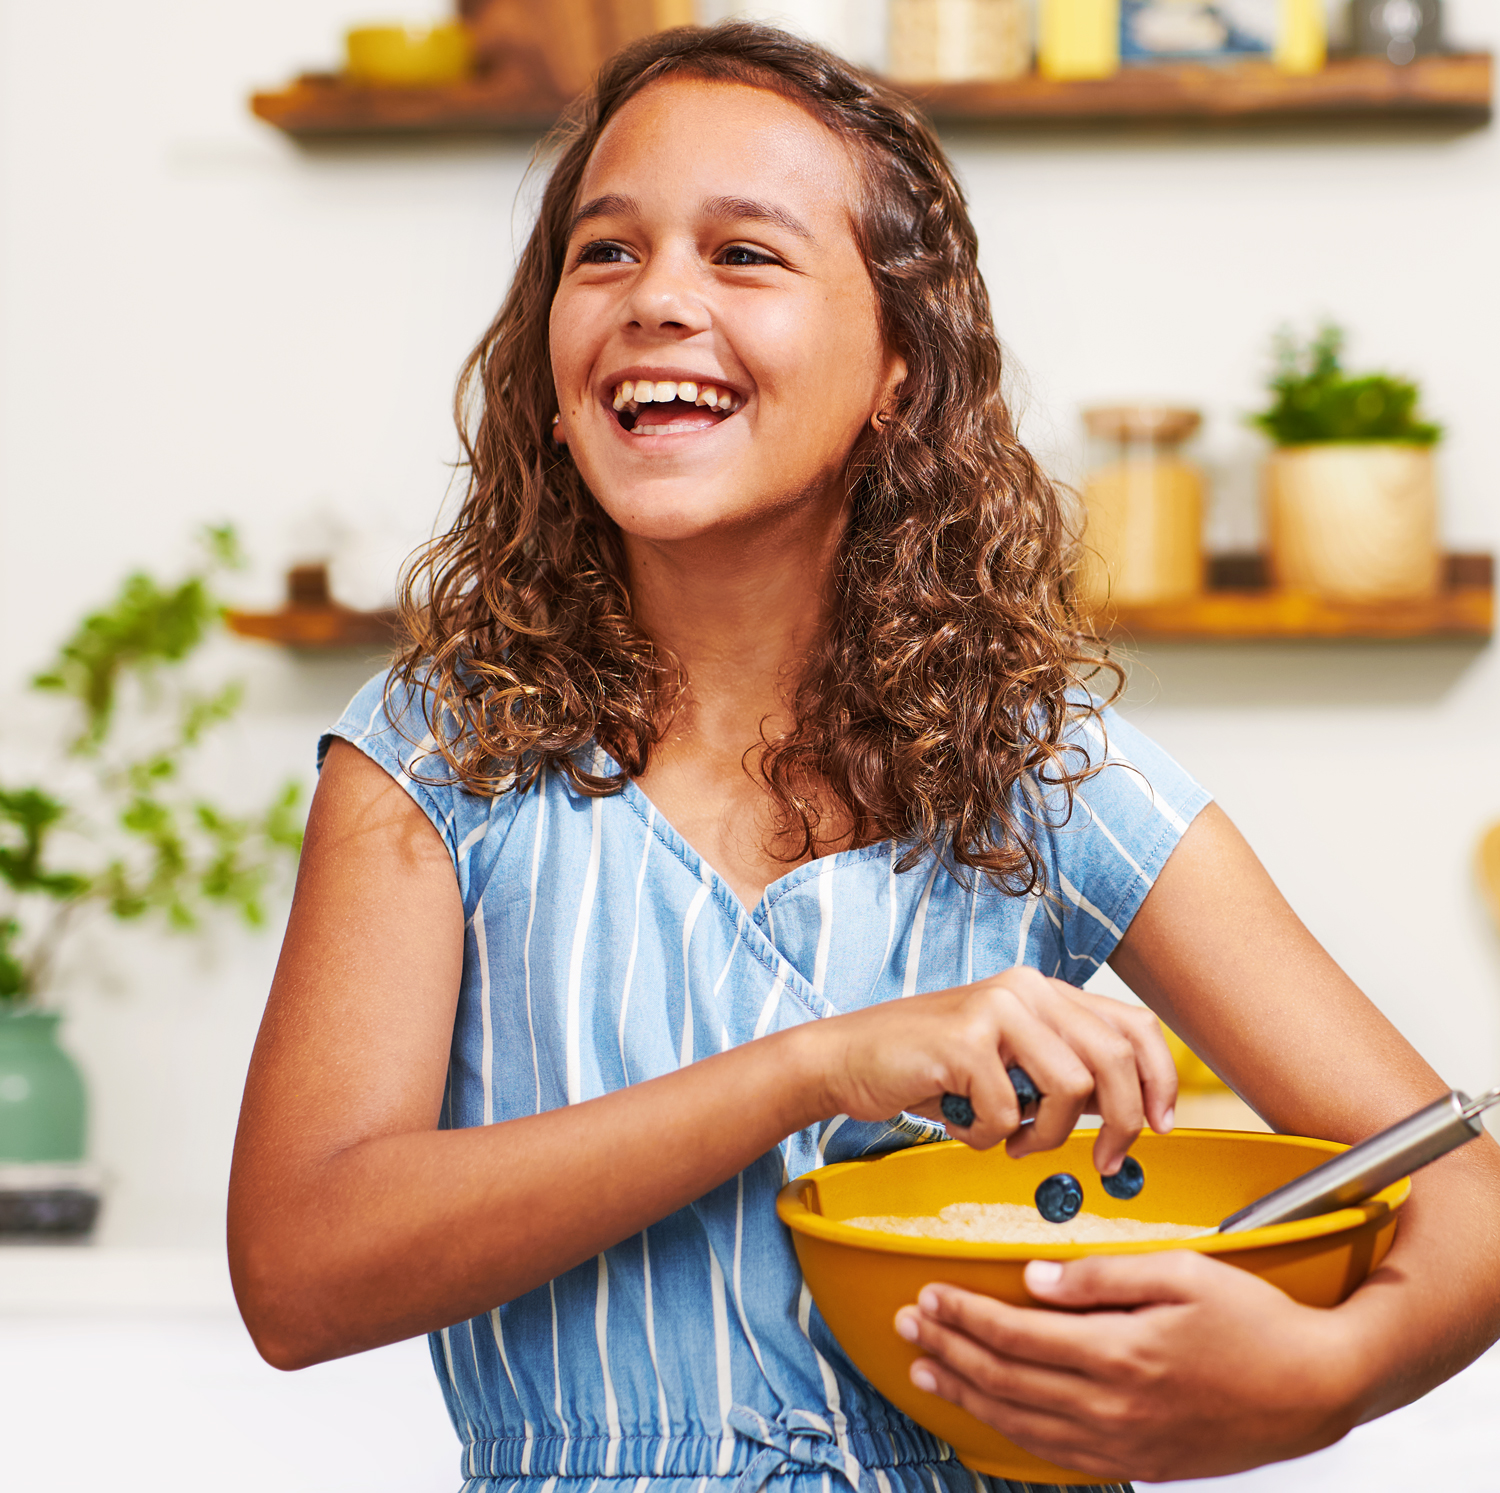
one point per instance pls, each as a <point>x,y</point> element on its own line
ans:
<point>798,1217</point>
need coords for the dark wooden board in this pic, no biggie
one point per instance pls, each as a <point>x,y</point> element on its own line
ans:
<point>1454,87</point>
<point>1247,609</point>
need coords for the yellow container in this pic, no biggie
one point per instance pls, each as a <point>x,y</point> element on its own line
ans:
<point>859,1278</point>
<point>1078,38</point>
<point>1301,36</point>
<point>409,56</point>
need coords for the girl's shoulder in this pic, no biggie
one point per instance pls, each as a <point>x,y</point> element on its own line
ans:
<point>1103,844</point>
<point>398,724</point>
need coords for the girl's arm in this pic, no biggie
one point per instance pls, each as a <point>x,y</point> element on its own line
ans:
<point>354,1221</point>
<point>1210,1370</point>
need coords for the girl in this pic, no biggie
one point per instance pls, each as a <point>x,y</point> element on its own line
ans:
<point>738,796</point>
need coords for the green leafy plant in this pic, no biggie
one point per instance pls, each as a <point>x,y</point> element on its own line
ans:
<point>139,842</point>
<point>1315,401</point>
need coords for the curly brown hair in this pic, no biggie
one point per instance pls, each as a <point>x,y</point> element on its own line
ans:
<point>955,656</point>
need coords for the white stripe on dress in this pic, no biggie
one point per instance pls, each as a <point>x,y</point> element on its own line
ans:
<point>580,944</point>
<point>1032,898</point>
<point>664,1420</point>
<point>1137,777</point>
<point>767,1011</point>
<point>918,925</point>
<point>734,943</point>
<point>829,1131</point>
<point>973,908</point>
<point>830,1388</point>
<point>722,1371</point>
<point>601,1336</point>
<point>527,1433</point>
<point>487,1057</point>
<point>536,865</point>
<point>696,906</point>
<point>1081,902</point>
<point>635,938</point>
<point>825,923</point>
<point>890,932</point>
<point>739,1236</point>
<point>557,1410</point>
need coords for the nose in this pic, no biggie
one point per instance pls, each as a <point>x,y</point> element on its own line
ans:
<point>666,296</point>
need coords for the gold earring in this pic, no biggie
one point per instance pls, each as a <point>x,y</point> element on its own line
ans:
<point>557,435</point>
<point>878,420</point>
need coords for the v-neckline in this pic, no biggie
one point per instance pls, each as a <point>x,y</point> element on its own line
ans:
<point>698,863</point>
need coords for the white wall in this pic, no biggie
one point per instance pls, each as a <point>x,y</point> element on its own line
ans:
<point>198,320</point>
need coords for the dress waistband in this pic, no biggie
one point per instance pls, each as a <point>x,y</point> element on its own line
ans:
<point>794,1441</point>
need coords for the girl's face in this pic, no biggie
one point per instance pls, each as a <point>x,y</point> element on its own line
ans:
<point>715,336</point>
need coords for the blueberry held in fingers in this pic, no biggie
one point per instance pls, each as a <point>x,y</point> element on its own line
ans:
<point>958,1111</point>
<point>1126,1182</point>
<point>1027,1092</point>
<point>1059,1197</point>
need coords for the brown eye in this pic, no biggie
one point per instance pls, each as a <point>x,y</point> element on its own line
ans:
<point>742,255</point>
<point>603,252</point>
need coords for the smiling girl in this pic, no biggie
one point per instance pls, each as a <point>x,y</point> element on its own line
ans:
<point>738,795</point>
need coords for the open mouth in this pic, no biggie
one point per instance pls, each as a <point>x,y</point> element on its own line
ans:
<point>672,407</point>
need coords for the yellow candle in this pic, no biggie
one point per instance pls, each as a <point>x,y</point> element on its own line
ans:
<point>1078,38</point>
<point>1301,36</point>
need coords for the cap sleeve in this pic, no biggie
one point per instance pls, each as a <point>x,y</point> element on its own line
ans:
<point>386,722</point>
<point>1105,853</point>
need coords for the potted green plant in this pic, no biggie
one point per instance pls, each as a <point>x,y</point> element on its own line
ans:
<point>1351,489</point>
<point>118,830</point>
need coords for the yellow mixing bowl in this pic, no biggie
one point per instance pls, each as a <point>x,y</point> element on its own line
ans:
<point>859,1277</point>
<point>409,56</point>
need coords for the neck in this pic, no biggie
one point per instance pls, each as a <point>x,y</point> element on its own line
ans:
<point>740,610</point>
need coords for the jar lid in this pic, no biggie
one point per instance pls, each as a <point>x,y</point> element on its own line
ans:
<point>1142,422</point>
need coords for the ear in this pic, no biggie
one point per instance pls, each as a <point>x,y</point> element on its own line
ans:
<point>890,387</point>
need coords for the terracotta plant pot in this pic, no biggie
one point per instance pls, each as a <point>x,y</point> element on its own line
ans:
<point>1356,520</point>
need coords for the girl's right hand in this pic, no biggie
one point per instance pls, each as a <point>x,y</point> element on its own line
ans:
<point>1086,1053</point>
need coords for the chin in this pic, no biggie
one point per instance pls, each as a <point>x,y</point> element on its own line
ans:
<point>669,509</point>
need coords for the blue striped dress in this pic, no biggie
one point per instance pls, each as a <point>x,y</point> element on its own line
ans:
<point>601,950</point>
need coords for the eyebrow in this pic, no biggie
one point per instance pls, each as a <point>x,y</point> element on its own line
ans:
<point>725,209</point>
<point>747,210</point>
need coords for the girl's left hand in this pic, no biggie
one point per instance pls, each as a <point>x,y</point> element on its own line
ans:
<point>1163,1366</point>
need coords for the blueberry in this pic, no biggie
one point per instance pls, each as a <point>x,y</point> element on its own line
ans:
<point>1027,1092</point>
<point>1059,1197</point>
<point>1126,1182</point>
<point>958,1111</point>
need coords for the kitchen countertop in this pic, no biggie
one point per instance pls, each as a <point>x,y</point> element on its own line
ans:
<point>128,1368</point>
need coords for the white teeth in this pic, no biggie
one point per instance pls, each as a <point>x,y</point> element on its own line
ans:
<point>630,394</point>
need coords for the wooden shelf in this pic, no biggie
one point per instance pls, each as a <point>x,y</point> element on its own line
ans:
<point>1453,88</point>
<point>1242,610</point>
<point>317,628</point>
<point>313,621</point>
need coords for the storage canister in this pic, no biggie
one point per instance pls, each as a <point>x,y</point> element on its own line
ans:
<point>953,41</point>
<point>1143,535</point>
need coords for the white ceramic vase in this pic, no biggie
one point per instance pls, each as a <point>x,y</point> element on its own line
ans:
<point>1357,521</point>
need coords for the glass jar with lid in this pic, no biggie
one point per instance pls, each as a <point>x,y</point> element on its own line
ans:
<point>1143,534</point>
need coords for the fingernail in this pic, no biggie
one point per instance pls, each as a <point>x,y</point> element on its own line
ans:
<point>906,1324</point>
<point>929,1301</point>
<point>1167,1121</point>
<point>1043,1273</point>
<point>923,1378</point>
